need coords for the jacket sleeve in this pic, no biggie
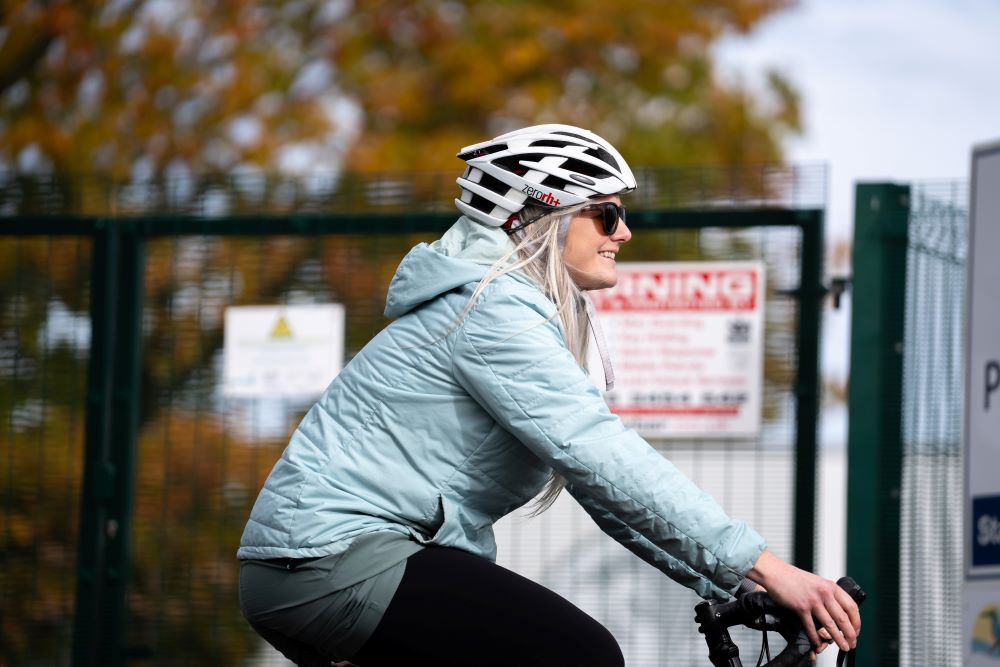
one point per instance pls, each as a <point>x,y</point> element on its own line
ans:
<point>510,355</point>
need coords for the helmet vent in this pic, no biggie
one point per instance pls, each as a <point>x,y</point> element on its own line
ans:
<point>481,203</point>
<point>550,142</point>
<point>555,182</point>
<point>494,184</point>
<point>575,136</point>
<point>586,168</point>
<point>603,156</point>
<point>479,152</point>
<point>513,162</point>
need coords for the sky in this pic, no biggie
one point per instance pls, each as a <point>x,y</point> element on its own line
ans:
<point>892,90</point>
<point>895,90</point>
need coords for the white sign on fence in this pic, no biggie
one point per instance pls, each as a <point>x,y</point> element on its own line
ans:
<point>686,341</point>
<point>282,351</point>
<point>981,603</point>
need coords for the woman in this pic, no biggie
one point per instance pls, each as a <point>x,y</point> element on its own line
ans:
<point>372,537</point>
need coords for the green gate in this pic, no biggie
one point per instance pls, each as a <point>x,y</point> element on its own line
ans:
<point>129,476</point>
<point>907,368</point>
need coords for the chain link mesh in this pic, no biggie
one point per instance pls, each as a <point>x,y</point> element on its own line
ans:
<point>933,370</point>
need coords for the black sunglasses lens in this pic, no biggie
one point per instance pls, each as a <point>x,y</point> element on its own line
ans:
<point>611,213</point>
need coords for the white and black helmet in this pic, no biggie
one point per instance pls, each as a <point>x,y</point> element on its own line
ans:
<point>548,165</point>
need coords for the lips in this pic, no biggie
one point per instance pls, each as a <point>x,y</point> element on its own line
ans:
<point>607,253</point>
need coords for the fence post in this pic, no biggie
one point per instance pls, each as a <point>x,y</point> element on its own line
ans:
<point>881,218</point>
<point>109,457</point>
<point>810,295</point>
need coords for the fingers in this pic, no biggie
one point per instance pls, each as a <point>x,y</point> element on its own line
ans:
<point>839,617</point>
<point>848,603</point>
<point>828,613</point>
<point>826,640</point>
<point>833,629</point>
<point>831,619</point>
<point>821,616</point>
<point>844,611</point>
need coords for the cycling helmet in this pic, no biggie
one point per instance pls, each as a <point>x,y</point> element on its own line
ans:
<point>548,165</point>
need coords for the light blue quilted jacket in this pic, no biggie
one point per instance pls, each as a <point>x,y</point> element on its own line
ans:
<point>437,428</point>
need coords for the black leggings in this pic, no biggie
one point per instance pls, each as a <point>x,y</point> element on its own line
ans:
<point>453,608</point>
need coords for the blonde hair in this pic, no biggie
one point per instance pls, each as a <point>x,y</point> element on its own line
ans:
<point>538,254</point>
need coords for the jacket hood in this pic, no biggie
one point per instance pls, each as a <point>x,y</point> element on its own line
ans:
<point>462,255</point>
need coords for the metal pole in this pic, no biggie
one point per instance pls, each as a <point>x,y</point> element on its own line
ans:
<point>811,293</point>
<point>109,467</point>
<point>875,442</point>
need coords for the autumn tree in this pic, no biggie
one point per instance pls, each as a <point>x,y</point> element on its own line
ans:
<point>433,76</point>
<point>137,88</point>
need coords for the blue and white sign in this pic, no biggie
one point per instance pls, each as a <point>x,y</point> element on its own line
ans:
<point>982,395</point>
<point>986,531</point>
<point>981,592</point>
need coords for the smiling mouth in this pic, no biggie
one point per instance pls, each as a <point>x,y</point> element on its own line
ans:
<point>607,253</point>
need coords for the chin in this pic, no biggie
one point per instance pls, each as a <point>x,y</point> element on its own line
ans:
<point>609,280</point>
<point>594,280</point>
<point>596,283</point>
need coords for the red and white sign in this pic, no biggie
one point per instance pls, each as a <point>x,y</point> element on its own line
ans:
<point>686,342</point>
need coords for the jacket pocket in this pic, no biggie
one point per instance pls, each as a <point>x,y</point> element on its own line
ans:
<point>435,522</point>
<point>462,528</point>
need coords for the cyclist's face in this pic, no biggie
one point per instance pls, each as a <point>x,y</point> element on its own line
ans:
<point>589,253</point>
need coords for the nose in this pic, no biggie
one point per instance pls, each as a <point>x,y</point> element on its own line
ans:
<point>623,234</point>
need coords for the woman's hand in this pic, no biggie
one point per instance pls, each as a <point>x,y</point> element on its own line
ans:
<point>811,597</point>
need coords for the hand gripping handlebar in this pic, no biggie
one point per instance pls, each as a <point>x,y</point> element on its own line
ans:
<point>758,611</point>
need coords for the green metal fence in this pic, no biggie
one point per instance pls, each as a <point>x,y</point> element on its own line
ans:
<point>129,476</point>
<point>905,480</point>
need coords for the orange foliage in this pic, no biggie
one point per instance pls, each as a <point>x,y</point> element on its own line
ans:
<point>38,534</point>
<point>126,90</point>
<point>432,77</point>
<point>102,86</point>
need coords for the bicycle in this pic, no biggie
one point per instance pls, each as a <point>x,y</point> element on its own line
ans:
<point>756,610</point>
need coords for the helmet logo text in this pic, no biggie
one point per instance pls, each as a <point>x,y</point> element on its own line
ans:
<point>544,197</point>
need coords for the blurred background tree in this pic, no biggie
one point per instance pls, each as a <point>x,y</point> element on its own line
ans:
<point>433,76</point>
<point>141,88</point>
<point>132,91</point>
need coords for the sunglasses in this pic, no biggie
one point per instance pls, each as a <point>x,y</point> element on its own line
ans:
<point>611,214</point>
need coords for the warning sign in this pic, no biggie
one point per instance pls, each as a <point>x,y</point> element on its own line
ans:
<point>686,341</point>
<point>276,351</point>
